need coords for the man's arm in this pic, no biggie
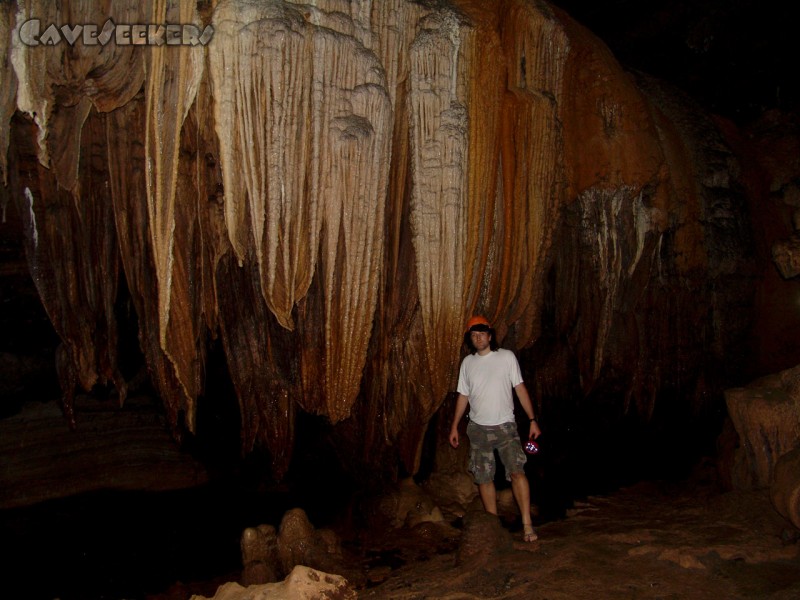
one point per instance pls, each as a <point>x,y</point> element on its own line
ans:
<point>461,408</point>
<point>527,406</point>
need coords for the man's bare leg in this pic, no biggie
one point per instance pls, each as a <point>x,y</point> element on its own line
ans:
<point>488,496</point>
<point>522,494</point>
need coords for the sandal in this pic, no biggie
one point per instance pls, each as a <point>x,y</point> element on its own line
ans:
<point>528,534</point>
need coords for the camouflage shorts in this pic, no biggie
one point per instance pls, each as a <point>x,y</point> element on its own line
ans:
<point>484,440</point>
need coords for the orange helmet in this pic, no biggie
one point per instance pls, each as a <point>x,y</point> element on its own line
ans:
<point>478,320</point>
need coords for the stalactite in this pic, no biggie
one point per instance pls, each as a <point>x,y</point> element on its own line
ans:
<point>262,89</point>
<point>34,95</point>
<point>314,144</point>
<point>127,186</point>
<point>612,155</point>
<point>439,165</point>
<point>184,340</point>
<point>172,77</point>
<point>262,367</point>
<point>532,168</point>
<point>395,371</point>
<point>356,154</point>
<point>76,274</point>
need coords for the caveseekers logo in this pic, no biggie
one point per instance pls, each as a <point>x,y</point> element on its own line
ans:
<point>32,34</point>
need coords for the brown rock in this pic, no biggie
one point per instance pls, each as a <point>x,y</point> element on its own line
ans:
<point>260,555</point>
<point>302,583</point>
<point>483,538</point>
<point>299,543</point>
<point>785,488</point>
<point>453,490</point>
<point>786,256</point>
<point>408,504</point>
<point>296,536</point>
<point>766,415</point>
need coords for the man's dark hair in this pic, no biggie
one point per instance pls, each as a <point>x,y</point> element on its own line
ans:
<point>493,345</point>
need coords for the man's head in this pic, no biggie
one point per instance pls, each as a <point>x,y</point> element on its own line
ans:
<point>479,335</point>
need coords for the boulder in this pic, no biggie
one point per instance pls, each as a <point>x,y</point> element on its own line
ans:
<point>786,256</point>
<point>303,583</point>
<point>407,505</point>
<point>483,537</point>
<point>295,538</point>
<point>766,415</point>
<point>785,488</point>
<point>268,555</point>
<point>452,491</point>
<point>260,555</point>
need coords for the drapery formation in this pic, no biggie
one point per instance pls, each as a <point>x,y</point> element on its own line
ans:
<point>331,188</point>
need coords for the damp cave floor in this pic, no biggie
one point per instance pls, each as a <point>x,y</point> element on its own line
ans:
<point>649,541</point>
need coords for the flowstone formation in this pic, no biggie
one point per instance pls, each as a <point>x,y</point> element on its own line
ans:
<point>331,188</point>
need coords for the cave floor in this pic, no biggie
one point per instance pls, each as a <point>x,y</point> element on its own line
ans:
<point>674,540</point>
<point>650,540</point>
<point>647,541</point>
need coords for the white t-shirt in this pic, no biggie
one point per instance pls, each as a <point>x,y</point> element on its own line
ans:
<point>487,381</point>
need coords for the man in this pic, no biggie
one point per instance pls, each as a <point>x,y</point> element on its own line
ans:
<point>485,381</point>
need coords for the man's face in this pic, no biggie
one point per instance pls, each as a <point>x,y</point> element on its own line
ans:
<point>480,339</point>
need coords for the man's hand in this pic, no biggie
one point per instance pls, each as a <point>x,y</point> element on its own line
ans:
<point>534,432</point>
<point>454,437</point>
<point>461,408</point>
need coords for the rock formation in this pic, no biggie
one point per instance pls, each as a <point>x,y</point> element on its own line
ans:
<point>302,583</point>
<point>785,486</point>
<point>269,555</point>
<point>764,413</point>
<point>331,188</point>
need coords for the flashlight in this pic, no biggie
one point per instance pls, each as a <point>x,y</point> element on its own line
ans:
<point>531,446</point>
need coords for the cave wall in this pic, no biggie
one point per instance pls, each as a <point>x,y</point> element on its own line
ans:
<point>329,189</point>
